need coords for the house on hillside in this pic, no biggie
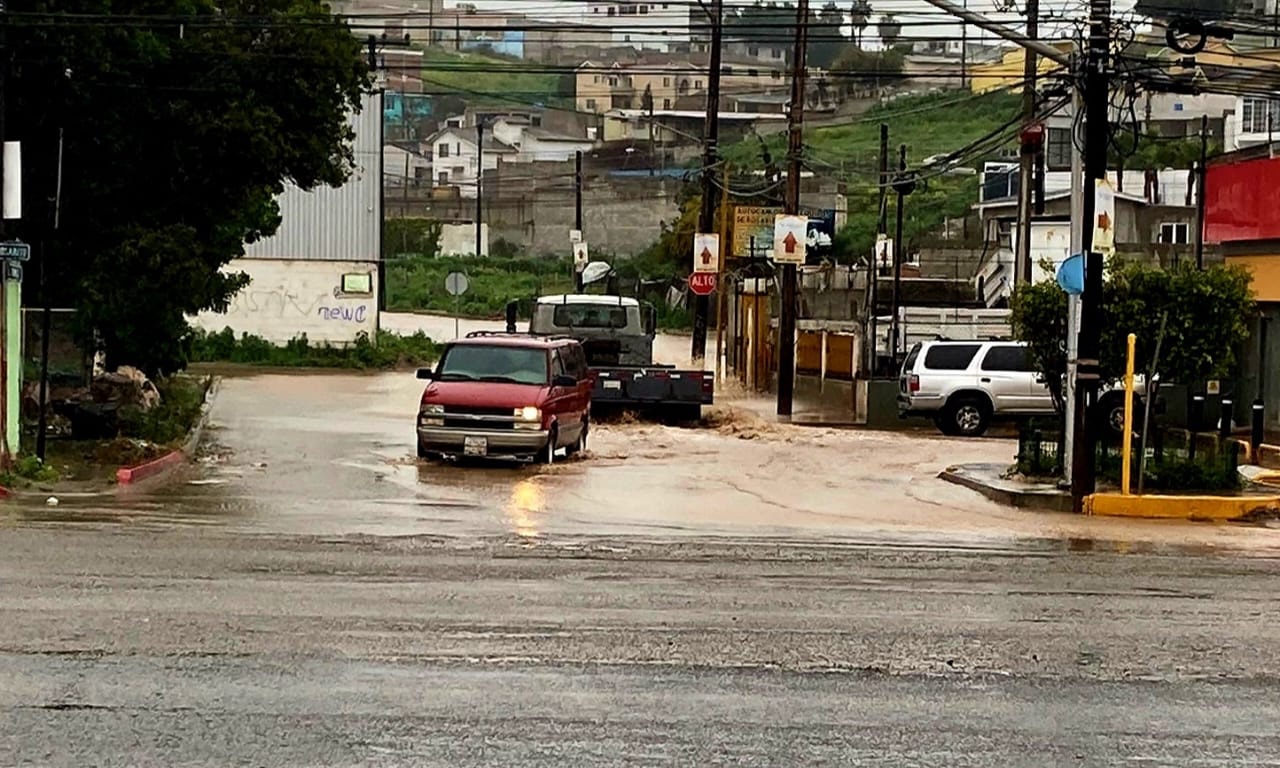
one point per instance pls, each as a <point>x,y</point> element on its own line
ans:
<point>536,144</point>
<point>406,163</point>
<point>456,158</point>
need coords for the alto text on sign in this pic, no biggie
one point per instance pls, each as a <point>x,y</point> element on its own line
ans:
<point>702,283</point>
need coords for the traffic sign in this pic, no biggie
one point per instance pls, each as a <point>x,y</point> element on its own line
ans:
<point>702,283</point>
<point>15,250</point>
<point>575,235</point>
<point>706,252</point>
<point>456,283</point>
<point>789,236</point>
<point>753,230</point>
<point>581,255</point>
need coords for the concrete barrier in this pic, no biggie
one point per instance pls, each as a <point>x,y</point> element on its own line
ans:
<point>1154,506</point>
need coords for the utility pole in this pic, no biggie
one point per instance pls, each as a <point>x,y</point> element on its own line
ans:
<point>5,448</point>
<point>873,275</point>
<point>724,256</point>
<point>1027,156</point>
<point>1097,84</point>
<point>479,181</point>
<point>711,135</point>
<point>1073,302</point>
<point>1201,175</point>
<point>577,214</point>
<point>902,187</point>
<point>795,148</point>
<point>46,313</point>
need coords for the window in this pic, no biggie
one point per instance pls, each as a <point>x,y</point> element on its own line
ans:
<point>950,357</point>
<point>479,362</point>
<point>557,365</point>
<point>1175,232</point>
<point>1006,358</point>
<point>775,74</point>
<point>1057,149</point>
<point>666,82</point>
<point>753,50</point>
<point>596,79</point>
<point>644,9</point>
<point>613,80</point>
<point>442,150</point>
<point>443,178</point>
<point>726,70</point>
<point>591,104</point>
<point>775,53</point>
<point>697,84</point>
<point>1259,116</point>
<point>666,103</point>
<point>753,73</point>
<point>589,316</point>
<point>611,10</point>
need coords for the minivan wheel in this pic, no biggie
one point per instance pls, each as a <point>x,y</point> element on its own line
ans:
<point>966,417</point>
<point>581,443</point>
<point>548,454</point>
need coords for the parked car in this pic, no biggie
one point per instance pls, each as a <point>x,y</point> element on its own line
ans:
<point>966,385</point>
<point>508,396</point>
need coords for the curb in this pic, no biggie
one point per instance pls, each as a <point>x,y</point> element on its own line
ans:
<point>1220,508</point>
<point>131,475</point>
<point>1046,501</point>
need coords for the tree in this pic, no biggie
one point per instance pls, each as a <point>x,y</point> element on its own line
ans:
<point>890,30</point>
<point>859,19</point>
<point>826,41</point>
<point>179,134</point>
<point>860,70</point>
<point>1207,313</point>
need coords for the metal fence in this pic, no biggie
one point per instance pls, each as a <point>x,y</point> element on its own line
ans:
<point>1176,459</point>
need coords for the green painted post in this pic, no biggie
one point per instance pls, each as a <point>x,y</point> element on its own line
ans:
<point>13,354</point>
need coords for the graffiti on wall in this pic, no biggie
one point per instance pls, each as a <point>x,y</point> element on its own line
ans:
<point>282,303</point>
<point>348,313</point>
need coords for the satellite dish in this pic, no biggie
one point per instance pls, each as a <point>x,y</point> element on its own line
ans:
<point>596,270</point>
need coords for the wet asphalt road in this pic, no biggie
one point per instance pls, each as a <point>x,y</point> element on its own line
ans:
<point>739,594</point>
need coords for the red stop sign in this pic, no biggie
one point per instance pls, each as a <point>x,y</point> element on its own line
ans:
<point>702,283</point>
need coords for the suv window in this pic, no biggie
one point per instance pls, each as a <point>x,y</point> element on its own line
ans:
<point>557,364</point>
<point>950,357</point>
<point>1006,358</point>
<point>910,362</point>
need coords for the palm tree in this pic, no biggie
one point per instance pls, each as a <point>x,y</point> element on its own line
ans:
<point>859,19</point>
<point>890,30</point>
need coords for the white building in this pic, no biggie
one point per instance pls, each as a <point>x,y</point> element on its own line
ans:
<point>456,158</point>
<point>405,163</point>
<point>1256,121</point>
<point>654,26</point>
<point>320,273</point>
<point>534,144</point>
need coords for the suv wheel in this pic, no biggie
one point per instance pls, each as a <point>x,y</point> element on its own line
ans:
<point>965,416</point>
<point>1109,419</point>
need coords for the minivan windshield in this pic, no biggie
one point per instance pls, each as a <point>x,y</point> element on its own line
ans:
<point>496,363</point>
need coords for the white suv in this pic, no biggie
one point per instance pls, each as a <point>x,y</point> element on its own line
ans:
<point>964,385</point>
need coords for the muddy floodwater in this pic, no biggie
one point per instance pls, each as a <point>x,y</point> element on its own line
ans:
<point>333,454</point>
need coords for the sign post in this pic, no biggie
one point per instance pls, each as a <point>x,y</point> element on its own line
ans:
<point>456,283</point>
<point>789,237</point>
<point>703,283</point>
<point>706,252</point>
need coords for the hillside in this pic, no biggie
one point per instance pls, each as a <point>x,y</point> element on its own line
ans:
<point>484,77</point>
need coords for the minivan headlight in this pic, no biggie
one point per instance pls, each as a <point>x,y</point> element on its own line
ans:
<point>528,417</point>
<point>433,410</point>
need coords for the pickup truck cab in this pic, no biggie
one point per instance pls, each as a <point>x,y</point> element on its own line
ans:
<point>508,396</point>
<point>617,334</point>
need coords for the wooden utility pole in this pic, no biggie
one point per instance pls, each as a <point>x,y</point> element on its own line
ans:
<point>577,216</point>
<point>1201,175</point>
<point>1097,84</point>
<point>711,136</point>
<point>724,256</point>
<point>1027,156</point>
<point>479,181</point>
<point>795,149</point>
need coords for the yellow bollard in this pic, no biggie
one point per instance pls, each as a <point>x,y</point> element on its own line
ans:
<point>1127,446</point>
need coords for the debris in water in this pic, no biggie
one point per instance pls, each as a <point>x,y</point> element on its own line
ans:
<point>52,501</point>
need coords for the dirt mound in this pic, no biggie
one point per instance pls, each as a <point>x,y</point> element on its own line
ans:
<point>741,423</point>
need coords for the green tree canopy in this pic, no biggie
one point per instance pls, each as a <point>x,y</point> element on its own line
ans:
<point>1207,318</point>
<point>183,121</point>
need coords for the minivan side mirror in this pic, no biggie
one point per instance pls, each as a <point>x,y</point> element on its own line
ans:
<point>564,381</point>
<point>426,374</point>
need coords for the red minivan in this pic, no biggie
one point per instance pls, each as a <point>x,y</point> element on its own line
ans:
<point>506,396</point>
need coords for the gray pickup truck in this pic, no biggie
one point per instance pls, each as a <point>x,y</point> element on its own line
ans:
<point>617,334</point>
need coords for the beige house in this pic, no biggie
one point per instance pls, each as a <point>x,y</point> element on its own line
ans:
<point>600,88</point>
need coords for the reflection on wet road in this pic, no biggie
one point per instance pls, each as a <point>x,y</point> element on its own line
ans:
<point>332,455</point>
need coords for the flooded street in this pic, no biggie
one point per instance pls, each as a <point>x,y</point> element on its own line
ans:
<point>738,593</point>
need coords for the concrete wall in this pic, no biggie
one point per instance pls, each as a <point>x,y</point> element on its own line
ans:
<point>460,239</point>
<point>289,297</point>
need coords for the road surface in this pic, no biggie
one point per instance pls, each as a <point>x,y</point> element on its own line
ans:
<point>744,593</point>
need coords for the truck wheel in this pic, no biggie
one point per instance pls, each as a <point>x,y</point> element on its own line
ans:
<point>1108,416</point>
<point>966,416</point>
<point>548,454</point>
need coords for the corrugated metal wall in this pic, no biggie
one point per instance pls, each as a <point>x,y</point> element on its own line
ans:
<point>343,224</point>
